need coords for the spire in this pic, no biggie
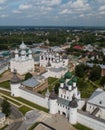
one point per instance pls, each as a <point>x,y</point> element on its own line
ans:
<point>73,103</point>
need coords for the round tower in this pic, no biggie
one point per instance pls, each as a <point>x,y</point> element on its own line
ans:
<point>53,103</point>
<point>70,83</point>
<point>73,111</point>
<point>23,54</point>
<point>15,83</point>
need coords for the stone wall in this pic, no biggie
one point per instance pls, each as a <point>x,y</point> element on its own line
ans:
<point>90,121</point>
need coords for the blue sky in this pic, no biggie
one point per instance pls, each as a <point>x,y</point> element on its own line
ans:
<point>52,12</point>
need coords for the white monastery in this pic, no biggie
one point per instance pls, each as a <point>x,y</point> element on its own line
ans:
<point>55,64</point>
<point>68,102</point>
<point>23,61</point>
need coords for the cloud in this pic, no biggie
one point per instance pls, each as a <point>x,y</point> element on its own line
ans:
<point>102,8</point>
<point>3,15</point>
<point>25,6</point>
<point>2,1</point>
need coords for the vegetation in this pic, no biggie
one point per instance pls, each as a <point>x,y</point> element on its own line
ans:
<point>24,109</point>
<point>33,126</point>
<point>3,127</point>
<point>6,107</point>
<point>5,84</point>
<point>95,73</point>
<point>28,75</point>
<point>81,127</point>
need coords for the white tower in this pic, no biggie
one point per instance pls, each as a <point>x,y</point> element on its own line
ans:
<point>53,103</point>
<point>15,84</point>
<point>30,54</point>
<point>16,54</point>
<point>73,111</point>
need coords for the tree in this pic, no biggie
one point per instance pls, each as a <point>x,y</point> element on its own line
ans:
<point>28,75</point>
<point>102,82</point>
<point>95,73</point>
<point>6,108</point>
<point>80,70</point>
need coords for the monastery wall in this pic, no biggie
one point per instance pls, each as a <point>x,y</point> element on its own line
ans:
<point>90,121</point>
<point>34,98</point>
<point>2,70</point>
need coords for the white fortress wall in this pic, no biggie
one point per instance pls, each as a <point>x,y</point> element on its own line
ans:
<point>90,121</point>
<point>34,98</point>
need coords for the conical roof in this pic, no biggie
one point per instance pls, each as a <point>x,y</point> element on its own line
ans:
<point>73,103</point>
<point>15,79</point>
<point>68,75</point>
<point>53,96</point>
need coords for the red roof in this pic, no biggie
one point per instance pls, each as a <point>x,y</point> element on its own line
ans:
<point>77,47</point>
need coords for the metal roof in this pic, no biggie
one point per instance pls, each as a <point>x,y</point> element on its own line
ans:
<point>63,101</point>
<point>32,82</point>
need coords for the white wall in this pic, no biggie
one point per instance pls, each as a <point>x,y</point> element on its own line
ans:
<point>34,98</point>
<point>90,122</point>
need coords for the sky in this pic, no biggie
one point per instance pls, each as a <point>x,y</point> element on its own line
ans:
<point>52,12</point>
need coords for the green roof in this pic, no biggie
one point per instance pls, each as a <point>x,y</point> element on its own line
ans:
<point>62,80</point>
<point>74,79</point>
<point>68,75</point>
<point>70,82</point>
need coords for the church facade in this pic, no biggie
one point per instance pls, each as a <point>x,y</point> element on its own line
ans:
<point>23,61</point>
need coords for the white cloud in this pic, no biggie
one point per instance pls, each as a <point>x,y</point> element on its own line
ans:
<point>25,6</point>
<point>16,11</point>
<point>102,8</point>
<point>3,15</point>
<point>2,1</point>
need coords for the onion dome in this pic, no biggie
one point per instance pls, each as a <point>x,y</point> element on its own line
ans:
<point>23,46</point>
<point>15,79</point>
<point>74,79</point>
<point>73,103</point>
<point>53,95</point>
<point>16,51</point>
<point>70,82</point>
<point>23,52</point>
<point>68,75</point>
<point>62,80</point>
<point>29,51</point>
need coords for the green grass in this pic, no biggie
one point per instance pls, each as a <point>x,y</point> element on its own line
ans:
<point>3,127</point>
<point>26,102</point>
<point>51,80</point>
<point>5,84</point>
<point>33,126</point>
<point>24,109</point>
<point>81,127</point>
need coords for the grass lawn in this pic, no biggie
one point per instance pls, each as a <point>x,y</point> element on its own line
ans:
<point>51,80</point>
<point>26,101</point>
<point>3,127</point>
<point>5,84</point>
<point>81,127</point>
<point>33,126</point>
<point>32,104</point>
<point>24,109</point>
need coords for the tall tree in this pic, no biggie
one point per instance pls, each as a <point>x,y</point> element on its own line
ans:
<point>80,70</point>
<point>6,108</point>
<point>95,73</point>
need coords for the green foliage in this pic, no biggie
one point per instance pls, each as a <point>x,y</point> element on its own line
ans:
<point>5,84</point>
<point>95,73</point>
<point>27,76</point>
<point>102,81</point>
<point>56,88</point>
<point>6,107</point>
<point>51,80</point>
<point>81,127</point>
<point>3,127</point>
<point>80,70</point>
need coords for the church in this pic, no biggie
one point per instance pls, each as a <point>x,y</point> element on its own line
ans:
<point>55,64</point>
<point>23,61</point>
